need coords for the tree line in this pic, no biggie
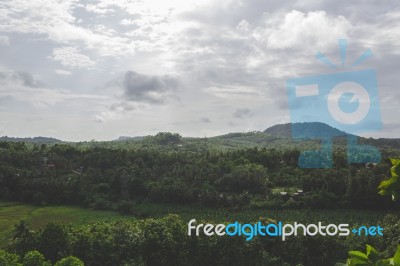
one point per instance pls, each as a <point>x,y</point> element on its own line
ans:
<point>107,178</point>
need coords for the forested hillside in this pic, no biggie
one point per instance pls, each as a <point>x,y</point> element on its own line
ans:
<point>244,174</point>
<point>107,178</point>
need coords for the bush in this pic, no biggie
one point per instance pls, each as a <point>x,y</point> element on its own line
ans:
<point>69,261</point>
<point>35,258</point>
<point>9,259</point>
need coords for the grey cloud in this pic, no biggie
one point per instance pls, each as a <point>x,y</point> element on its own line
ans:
<point>240,59</point>
<point>150,89</point>
<point>138,91</point>
<point>22,78</point>
<point>22,87</point>
<point>223,48</point>
<point>277,91</point>
<point>242,113</point>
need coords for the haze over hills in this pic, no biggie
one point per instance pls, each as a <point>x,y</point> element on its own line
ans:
<point>36,140</point>
<point>122,138</point>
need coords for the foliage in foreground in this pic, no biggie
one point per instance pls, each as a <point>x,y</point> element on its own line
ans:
<point>370,257</point>
<point>392,185</point>
<point>164,241</point>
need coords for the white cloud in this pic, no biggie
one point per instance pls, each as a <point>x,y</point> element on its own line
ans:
<point>119,110</point>
<point>300,30</point>
<point>127,22</point>
<point>36,16</point>
<point>96,9</point>
<point>98,119</point>
<point>55,20</point>
<point>70,57</point>
<point>233,92</point>
<point>227,54</point>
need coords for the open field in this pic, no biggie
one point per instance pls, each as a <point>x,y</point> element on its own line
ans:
<point>38,216</point>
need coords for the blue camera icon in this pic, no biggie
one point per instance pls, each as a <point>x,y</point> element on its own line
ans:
<point>346,100</point>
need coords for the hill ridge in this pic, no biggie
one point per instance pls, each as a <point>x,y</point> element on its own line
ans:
<point>305,130</point>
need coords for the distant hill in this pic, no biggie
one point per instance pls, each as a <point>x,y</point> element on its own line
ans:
<point>277,136</point>
<point>123,138</point>
<point>36,140</point>
<point>305,130</point>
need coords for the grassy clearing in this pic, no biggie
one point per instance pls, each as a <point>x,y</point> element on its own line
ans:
<point>38,216</point>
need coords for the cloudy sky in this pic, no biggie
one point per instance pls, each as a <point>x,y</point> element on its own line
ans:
<point>81,70</point>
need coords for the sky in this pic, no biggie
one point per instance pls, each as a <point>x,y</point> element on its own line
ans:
<point>81,70</point>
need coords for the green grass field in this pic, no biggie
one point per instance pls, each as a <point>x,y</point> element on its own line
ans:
<point>38,216</point>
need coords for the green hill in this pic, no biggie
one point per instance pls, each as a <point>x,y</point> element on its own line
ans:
<point>305,130</point>
<point>277,136</point>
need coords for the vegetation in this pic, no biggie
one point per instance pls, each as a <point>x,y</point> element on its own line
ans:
<point>236,177</point>
<point>392,185</point>
<point>165,241</point>
<point>35,258</point>
<point>117,179</point>
<point>38,216</point>
<point>370,257</point>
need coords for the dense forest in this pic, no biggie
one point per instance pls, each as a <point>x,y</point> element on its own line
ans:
<point>225,172</point>
<point>105,178</point>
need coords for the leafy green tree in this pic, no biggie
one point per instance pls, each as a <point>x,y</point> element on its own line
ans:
<point>164,138</point>
<point>23,237</point>
<point>53,241</point>
<point>69,261</point>
<point>165,241</point>
<point>35,258</point>
<point>9,259</point>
